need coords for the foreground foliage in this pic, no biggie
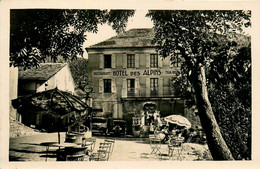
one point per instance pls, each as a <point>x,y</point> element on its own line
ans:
<point>203,40</point>
<point>39,33</point>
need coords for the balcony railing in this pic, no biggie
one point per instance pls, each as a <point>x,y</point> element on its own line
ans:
<point>143,92</point>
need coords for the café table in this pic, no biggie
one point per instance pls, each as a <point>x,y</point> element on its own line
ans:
<point>66,144</point>
<point>48,145</point>
<point>70,150</point>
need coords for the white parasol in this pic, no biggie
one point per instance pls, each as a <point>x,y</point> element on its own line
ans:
<point>178,120</point>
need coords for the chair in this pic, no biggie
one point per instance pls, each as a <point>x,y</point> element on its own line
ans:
<point>90,144</point>
<point>102,153</point>
<point>112,143</point>
<point>175,145</point>
<point>155,143</point>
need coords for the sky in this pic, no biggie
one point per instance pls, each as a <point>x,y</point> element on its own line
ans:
<point>105,31</point>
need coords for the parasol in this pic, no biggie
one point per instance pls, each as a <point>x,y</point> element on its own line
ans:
<point>58,104</point>
<point>178,120</point>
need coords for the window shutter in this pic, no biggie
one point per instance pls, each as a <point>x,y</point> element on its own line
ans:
<point>147,87</point>
<point>147,60</point>
<point>137,87</point>
<point>170,62</point>
<point>159,61</point>
<point>124,88</point>
<point>113,60</point>
<point>101,61</point>
<point>137,60</point>
<point>124,60</point>
<point>101,86</point>
<point>160,86</point>
<point>113,90</point>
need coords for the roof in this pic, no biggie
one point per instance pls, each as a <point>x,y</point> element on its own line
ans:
<point>131,38</point>
<point>44,72</point>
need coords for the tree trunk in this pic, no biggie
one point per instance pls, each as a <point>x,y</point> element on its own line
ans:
<point>217,146</point>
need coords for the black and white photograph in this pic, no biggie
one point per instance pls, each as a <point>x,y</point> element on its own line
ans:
<point>95,86</point>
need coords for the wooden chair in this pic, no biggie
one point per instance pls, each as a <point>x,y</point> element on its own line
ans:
<point>175,145</point>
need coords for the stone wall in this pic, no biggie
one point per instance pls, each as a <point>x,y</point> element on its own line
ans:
<point>18,129</point>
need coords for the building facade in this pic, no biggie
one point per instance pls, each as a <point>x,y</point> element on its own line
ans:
<point>126,73</point>
<point>47,76</point>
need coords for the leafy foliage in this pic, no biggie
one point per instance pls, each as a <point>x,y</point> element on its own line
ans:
<point>38,33</point>
<point>212,39</point>
<point>231,93</point>
<point>79,71</point>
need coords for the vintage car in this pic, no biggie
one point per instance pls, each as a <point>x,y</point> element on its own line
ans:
<point>118,127</point>
<point>101,125</point>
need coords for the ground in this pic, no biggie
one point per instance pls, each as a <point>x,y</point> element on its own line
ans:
<point>28,148</point>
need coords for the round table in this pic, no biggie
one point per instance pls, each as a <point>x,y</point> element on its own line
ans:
<point>48,145</point>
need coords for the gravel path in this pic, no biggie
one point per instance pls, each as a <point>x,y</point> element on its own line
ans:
<point>28,148</point>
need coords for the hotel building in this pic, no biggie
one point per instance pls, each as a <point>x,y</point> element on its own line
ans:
<point>126,72</point>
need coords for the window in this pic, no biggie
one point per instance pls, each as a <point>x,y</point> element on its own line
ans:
<point>107,61</point>
<point>130,87</point>
<point>154,86</point>
<point>153,60</point>
<point>130,61</point>
<point>107,85</point>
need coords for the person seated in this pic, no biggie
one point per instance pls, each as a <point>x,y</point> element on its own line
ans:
<point>165,131</point>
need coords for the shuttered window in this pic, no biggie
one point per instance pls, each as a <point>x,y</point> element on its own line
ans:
<point>153,60</point>
<point>130,61</point>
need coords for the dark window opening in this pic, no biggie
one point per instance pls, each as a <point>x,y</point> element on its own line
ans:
<point>107,61</point>
<point>130,87</point>
<point>107,85</point>
<point>154,86</point>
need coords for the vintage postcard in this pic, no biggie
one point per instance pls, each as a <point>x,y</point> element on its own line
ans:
<point>123,84</point>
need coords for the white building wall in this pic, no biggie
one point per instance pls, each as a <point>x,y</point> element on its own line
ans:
<point>62,80</point>
<point>13,91</point>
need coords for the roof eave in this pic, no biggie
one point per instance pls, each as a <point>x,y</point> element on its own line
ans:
<point>119,47</point>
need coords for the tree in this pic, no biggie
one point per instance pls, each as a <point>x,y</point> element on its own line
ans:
<point>195,36</point>
<point>79,71</point>
<point>38,33</point>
